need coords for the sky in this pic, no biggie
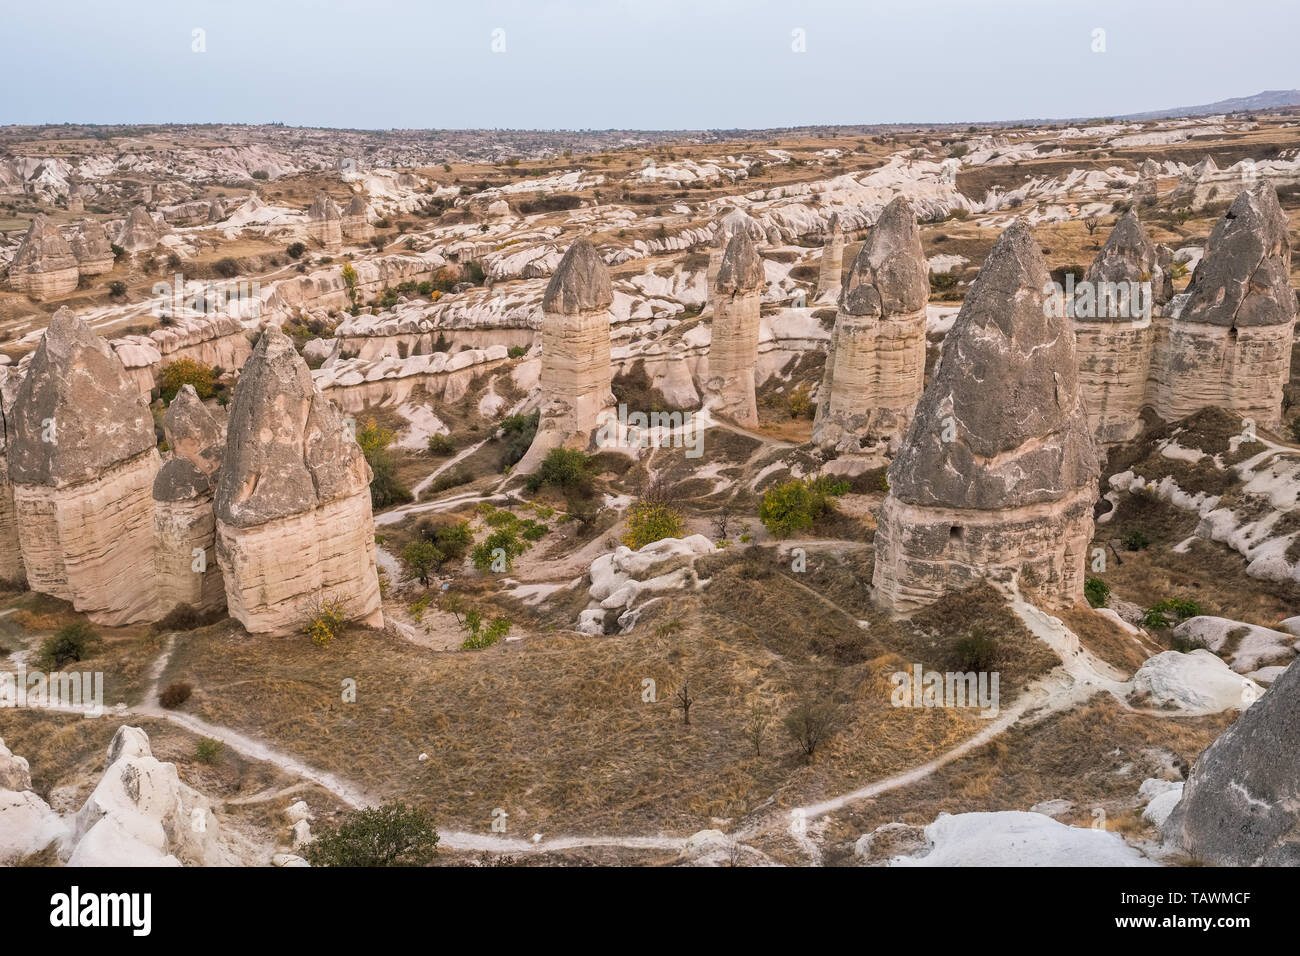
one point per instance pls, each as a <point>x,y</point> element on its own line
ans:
<point>631,64</point>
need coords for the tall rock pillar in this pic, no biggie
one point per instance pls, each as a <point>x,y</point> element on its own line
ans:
<point>733,348</point>
<point>996,478</point>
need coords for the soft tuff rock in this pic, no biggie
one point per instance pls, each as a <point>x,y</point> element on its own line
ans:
<point>82,461</point>
<point>997,475</point>
<point>92,250</point>
<point>1241,803</point>
<point>325,222</point>
<point>576,372</point>
<point>875,369</point>
<point>1230,344</point>
<point>356,222</point>
<point>294,525</point>
<point>733,348</point>
<point>140,233</point>
<point>1114,331</point>
<point>185,559</point>
<point>832,264</point>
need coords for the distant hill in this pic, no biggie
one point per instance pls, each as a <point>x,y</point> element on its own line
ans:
<point>1268,100</point>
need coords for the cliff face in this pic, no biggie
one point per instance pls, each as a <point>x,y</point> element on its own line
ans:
<point>996,477</point>
<point>293,520</point>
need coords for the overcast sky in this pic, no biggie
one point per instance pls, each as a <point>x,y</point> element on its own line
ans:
<point>638,64</point>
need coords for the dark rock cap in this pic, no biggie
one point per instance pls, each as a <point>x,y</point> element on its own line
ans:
<point>741,269</point>
<point>580,283</point>
<point>1243,280</point>
<point>287,450</point>
<point>323,209</point>
<point>889,276</point>
<point>1002,423</point>
<point>193,432</point>
<point>77,412</point>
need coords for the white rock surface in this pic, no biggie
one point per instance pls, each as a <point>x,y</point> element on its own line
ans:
<point>1019,838</point>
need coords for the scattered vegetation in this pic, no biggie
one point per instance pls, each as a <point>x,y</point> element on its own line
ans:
<point>175,694</point>
<point>794,505</point>
<point>187,371</point>
<point>1096,591</point>
<point>385,489</point>
<point>326,621</point>
<point>69,644</point>
<point>390,835</point>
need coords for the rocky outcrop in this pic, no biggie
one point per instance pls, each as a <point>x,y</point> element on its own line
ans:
<point>91,248</point>
<point>294,526</point>
<point>44,265</point>
<point>1241,803</point>
<point>325,222</point>
<point>832,264</point>
<point>996,477</point>
<point>1112,313</point>
<point>185,559</point>
<point>27,824</point>
<point>141,814</point>
<point>213,339</point>
<point>356,221</point>
<point>82,461</point>
<point>733,349</point>
<point>875,369</point>
<point>217,210</point>
<point>1229,345</point>
<point>576,368</point>
<point>140,233</point>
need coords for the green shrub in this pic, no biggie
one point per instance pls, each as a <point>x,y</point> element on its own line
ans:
<point>648,521</point>
<point>390,835</point>
<point>70,643</point>
<point>441,444</point>
<point>208,750</point>
<point>326,621</point>
<point>517,431</point>
<point>117,288</point>
<point>977,651</point>
<point>516,351</point>
<point>503,540</point>
<point>296,250</point>
<point>187,371</point>
<point>481,634</point>
<point>226,268</point>
<point>794,505</point>
<point>1096,591</point>
<point>567,469</point>
<point>1136,541</point>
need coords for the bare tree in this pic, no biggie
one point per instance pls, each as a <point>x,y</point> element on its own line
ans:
<point>722,522</point>
<point>1092,222</point>
<point>811,722</point>
<point>756,728</point>
<point>684,700</point>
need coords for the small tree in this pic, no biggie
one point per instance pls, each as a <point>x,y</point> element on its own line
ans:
<point>811,722</point>
<point>683,701</point>
<point>420,559</point>
<point>71,643</point>
<point>385,489</point>
<point>296,250</point>
<point>1091,223</point>
<point>350,280</point>
<point>390,835</point>
<point>756,728</point>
